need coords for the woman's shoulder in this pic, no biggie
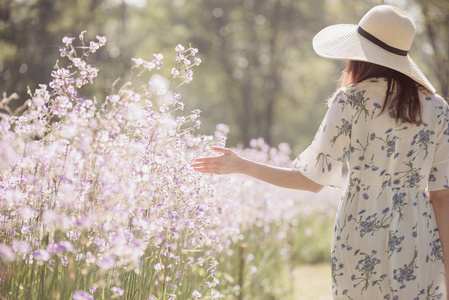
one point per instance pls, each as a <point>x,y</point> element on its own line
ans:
<point>380,84</point>
<point>432,98</point>
<point>371,88</point>
<point>375,83</point>
<point>434,107</point>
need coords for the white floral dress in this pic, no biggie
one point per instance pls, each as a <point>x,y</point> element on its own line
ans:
<point>386,243</point>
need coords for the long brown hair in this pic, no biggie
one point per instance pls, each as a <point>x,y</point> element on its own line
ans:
<point>404,103</point>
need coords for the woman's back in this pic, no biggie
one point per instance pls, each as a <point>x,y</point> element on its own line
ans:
<point>389,153</point>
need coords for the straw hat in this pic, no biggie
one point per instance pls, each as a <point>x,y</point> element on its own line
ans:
<point>383,36</point>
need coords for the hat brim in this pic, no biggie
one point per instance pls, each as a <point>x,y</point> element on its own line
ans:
<point>343,42</point>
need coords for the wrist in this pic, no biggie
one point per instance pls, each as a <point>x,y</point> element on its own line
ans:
<point>242,165</point>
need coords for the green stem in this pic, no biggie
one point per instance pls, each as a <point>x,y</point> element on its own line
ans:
<point>54,281</point>
<point>31,284</point>
<point>42,291</point>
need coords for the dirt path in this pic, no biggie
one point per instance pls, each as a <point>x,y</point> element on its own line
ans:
<point>313,282</point>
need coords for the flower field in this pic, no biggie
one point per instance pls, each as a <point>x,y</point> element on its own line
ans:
<point>98,200</point>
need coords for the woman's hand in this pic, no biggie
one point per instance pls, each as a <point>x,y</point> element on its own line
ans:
<point>227,163</point>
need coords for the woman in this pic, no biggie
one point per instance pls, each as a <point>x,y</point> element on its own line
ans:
<point>392,129</point>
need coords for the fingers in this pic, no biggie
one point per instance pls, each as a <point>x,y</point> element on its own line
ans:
<point>205,168</point>
<point>215,164</point>
<point>211,159</point>
<point>201,165</point>
<point>207,171</point>
<point>205,165</point>
<point>224,151</point>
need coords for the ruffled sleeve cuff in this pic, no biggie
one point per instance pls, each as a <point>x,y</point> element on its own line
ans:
<point>319,167</point>
<point>439,176</point>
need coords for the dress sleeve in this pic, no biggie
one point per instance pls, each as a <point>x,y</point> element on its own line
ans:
<point>439,174</point>
<point>322,161</point>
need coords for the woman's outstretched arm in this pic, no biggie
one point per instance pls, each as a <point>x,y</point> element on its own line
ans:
<point>230,162</point>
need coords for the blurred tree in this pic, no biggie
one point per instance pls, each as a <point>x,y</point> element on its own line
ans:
<point>24,34</point>
<point>251,42</point>
<point>31,33</point>
<point>436,20</point>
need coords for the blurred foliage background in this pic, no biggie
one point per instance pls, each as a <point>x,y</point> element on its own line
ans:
<point>259,73</point>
